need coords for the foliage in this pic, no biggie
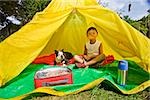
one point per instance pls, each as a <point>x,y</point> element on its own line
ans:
<point>30,7</point>
<point>141,25</point>
<point>23,12</point>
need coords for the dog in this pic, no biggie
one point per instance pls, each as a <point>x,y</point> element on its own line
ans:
<point>62,57</point>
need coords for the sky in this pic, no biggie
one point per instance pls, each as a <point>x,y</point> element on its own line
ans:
<point>138,10</point>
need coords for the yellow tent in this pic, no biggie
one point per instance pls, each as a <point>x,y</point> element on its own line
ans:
<point>63,24</point>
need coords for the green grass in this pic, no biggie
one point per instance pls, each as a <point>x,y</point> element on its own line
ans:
<point>97,93</point>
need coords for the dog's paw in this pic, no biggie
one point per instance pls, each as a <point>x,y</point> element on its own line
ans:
<point>64,65</point>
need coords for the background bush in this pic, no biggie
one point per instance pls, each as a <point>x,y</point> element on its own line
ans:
<point>143,25</point>
<point>23,12</point>
<point>30,7</point>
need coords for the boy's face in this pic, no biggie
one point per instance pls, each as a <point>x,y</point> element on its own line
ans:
<point>92,34</point>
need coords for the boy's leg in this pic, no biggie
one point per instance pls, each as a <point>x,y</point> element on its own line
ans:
<point>99,58</point>
<point>79,59</point>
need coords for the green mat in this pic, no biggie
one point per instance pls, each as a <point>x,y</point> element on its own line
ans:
<point>24,83</point>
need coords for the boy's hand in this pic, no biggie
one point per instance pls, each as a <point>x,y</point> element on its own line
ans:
<point>86,57</point>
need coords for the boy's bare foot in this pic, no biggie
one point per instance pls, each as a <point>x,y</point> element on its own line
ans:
<point>80,65</point>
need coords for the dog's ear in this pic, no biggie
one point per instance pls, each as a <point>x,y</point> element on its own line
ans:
<point>62,50</point>
<point>56,52</point>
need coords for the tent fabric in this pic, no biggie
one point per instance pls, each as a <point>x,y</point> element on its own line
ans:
<point>83,79</point>
<point>63,25</point>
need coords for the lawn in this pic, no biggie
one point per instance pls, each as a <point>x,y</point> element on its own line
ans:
<point>98,93</point>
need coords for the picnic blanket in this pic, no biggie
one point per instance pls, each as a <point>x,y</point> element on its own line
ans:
<point>83,79</point>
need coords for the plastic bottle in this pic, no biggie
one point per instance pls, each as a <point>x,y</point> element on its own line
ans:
<point>122,72</point>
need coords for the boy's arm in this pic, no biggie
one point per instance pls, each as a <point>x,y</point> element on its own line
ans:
<point>85,50</point>
<point>101,49</point>
<point>85,54</point>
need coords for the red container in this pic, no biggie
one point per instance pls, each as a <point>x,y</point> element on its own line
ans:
<point>52,77</point>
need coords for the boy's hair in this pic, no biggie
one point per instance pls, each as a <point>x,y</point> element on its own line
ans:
<point>92,28</point>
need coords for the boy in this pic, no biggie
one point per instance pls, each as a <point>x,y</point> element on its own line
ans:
<point>93,51</point>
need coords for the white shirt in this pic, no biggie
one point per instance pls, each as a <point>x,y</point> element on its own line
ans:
<point>93,49</point>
